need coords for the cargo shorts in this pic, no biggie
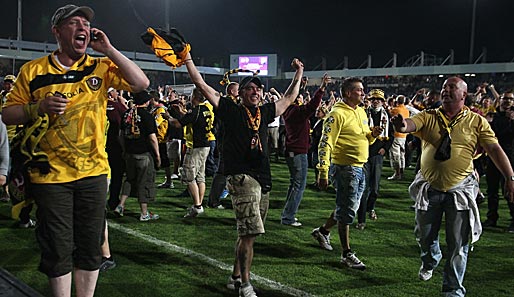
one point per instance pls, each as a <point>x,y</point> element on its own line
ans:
<point>249,203</point>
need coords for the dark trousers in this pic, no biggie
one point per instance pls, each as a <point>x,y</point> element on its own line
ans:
<point>219,182</point>
<point>495,180</point>
<point>117,165</point>
<point>373,169</point>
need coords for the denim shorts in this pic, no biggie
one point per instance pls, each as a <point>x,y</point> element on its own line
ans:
<point>350,181</point>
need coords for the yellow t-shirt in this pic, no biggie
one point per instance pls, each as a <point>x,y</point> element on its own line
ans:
<point>75,141</point>
<point>472,130</point>
<point>346,138</point>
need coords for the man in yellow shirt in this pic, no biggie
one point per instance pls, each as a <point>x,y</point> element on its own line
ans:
<point>446,183</point>
<point>344,143</point>
<point>67,89</point>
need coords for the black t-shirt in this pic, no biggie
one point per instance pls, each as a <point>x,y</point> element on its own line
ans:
<point>202,119</point>
<point>239,158</point>
<point>136,128</point>
<point>115,111</point>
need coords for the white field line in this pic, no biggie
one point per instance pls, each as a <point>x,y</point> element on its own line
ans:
<point>213,262</point>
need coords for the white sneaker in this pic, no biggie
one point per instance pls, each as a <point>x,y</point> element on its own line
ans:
<point>324,240</point>
<point>174,176</point>
<point>425,274</point>
<point>192,212</point>
<point>30,224</point>
<point>352,261</point>
<point>247,291</point>
<point>294,224</point>
<point>234,284</point>
<point>148,217</point>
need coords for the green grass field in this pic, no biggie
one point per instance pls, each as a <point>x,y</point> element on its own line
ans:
<point>193,257</point>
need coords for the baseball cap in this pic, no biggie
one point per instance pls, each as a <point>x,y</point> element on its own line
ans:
<point>10,78</point>
<point>249,79</point>
<point>141,97</point>
<point>376,94</point>
<point>110,90</point>
<point>69,10</point>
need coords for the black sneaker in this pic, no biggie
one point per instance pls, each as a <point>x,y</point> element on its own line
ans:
<point>489,223</point>
<point>107,264</point>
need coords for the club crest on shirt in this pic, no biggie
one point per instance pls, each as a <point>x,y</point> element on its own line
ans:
<point>94,83</point>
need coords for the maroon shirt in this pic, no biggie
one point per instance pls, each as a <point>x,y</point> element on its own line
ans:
<point>296,118</point>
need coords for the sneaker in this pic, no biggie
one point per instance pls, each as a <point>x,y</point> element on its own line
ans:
<point>192,212</point>
<point>149,216</point>
<point>30,224</point>
<point>510,229</point>
<point>247,291</point>
<point>373,215</point>
<point>119,210</point>
<point>360,226</point>
<point>352,261</point>
<point>489,223</point>
<point>425,274</point>
<point>221,207</point>
<point>107,264</point>
<point>224,194</point>
<point>294,224</point>
<point>234,283</point>
<point>395,177</point>
<point>166,185</point>
<point>324,240</point>
<point>174,176</point>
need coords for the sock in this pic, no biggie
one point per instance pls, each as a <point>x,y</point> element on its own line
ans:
<point>234,277</point>
<point>247,284</point>
<point>346,252</point>
<point>323,231</point>
<point>198,206</point>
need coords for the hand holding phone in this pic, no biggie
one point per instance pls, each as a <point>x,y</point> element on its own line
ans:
<point>93,35</point>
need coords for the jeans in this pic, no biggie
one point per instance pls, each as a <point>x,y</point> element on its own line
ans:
<point>298,178</point>
<point>458,231</point>
<point>373,170</point>
<point>350,181</point>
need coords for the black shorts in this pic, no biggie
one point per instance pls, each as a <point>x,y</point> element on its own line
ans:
<point>163,152</point>
<point>70,224</point>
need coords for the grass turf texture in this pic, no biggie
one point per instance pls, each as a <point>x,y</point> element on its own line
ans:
<point>284,254</point>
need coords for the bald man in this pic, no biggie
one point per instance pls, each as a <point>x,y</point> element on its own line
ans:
<point>446,184</point>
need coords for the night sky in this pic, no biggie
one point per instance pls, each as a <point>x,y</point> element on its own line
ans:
<point>306,29</point>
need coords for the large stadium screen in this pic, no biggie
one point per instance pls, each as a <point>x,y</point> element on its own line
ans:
<point>266,64</point>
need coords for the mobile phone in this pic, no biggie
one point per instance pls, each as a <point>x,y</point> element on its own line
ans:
<point>93,35</point>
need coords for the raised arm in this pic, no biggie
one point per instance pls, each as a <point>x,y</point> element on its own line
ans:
<point>130,71</point>
<point>292,91</point>
<point>211,94</point>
